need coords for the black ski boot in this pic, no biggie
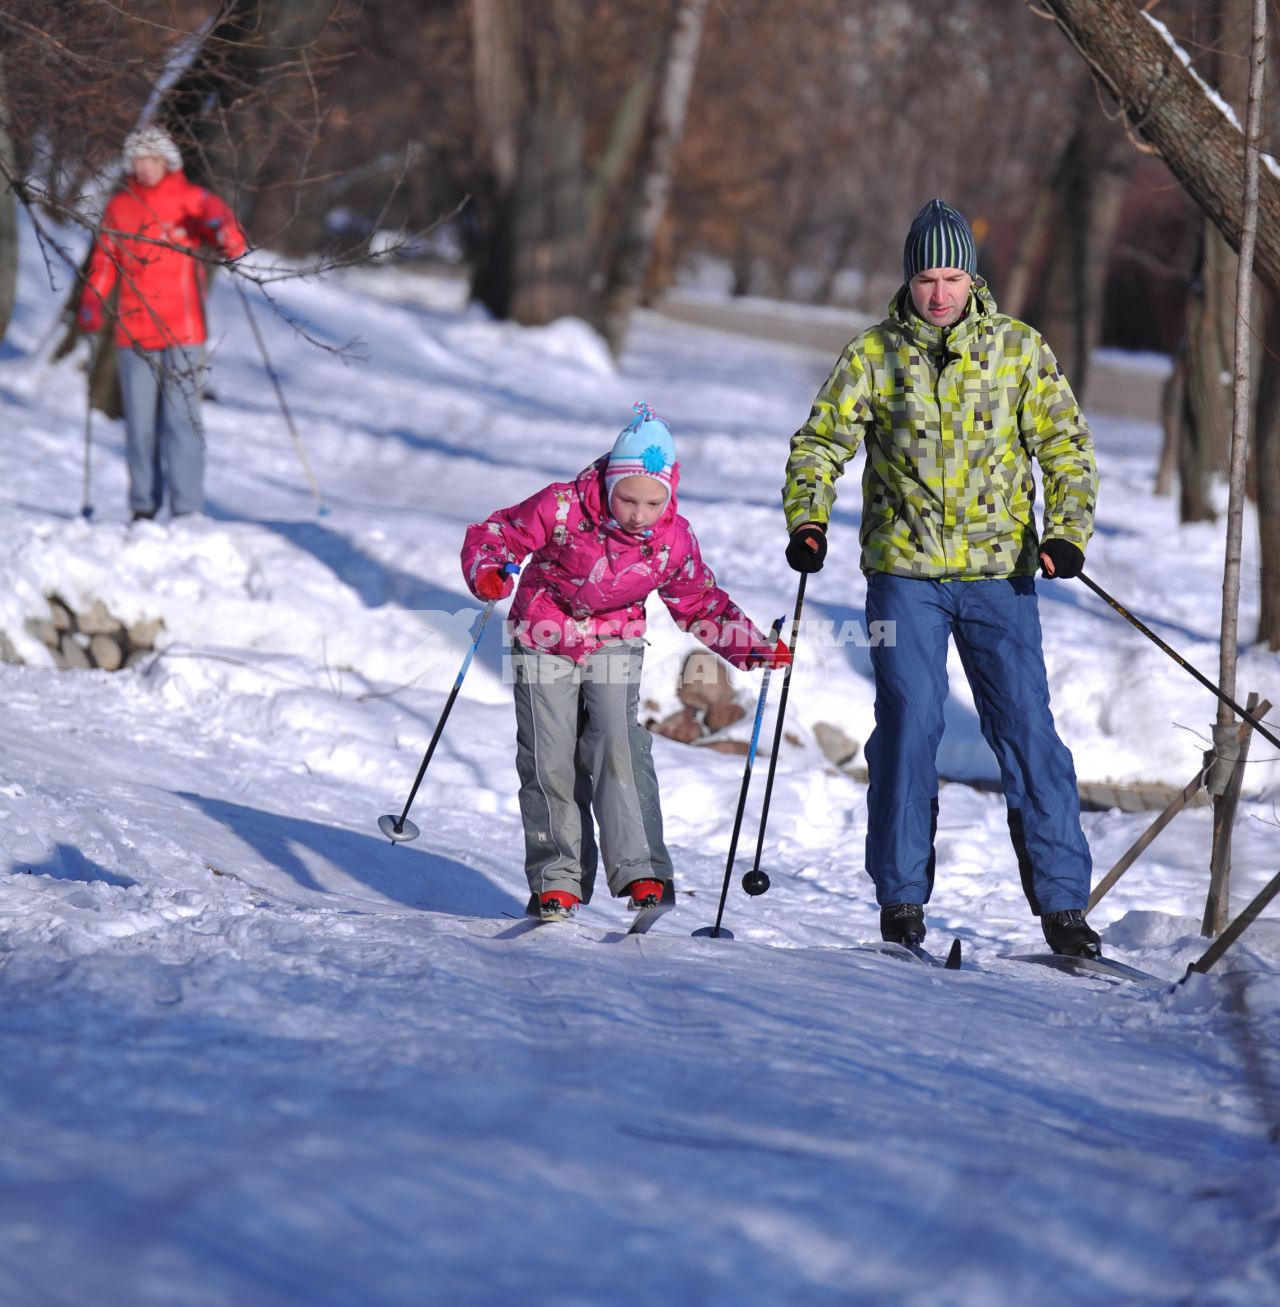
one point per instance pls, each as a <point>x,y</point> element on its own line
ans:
<point>1068,932</point>
<point>902,923</point>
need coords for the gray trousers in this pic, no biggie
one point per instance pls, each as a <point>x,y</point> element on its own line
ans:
<point>580,749</point>
<point>160,390</point>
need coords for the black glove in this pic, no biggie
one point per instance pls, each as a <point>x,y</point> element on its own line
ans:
<point>807,548</point>
<point>1067,559</point>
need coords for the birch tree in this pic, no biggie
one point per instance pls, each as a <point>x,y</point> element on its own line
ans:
<point>1169,108</point>
<point>8,210</point>
<point>1225,732</point>
<point>641,218</point>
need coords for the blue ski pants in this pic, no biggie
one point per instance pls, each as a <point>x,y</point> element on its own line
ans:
<point>160,392</point>
<point>996,626</point>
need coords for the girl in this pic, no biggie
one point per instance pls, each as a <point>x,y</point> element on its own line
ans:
<point>600,546</point>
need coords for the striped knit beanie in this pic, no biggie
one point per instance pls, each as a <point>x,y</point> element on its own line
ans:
<point>939,238</point>
<point>644,448</point>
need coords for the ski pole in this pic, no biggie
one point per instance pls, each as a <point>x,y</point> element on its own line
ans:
<point>1179,659</point>
<point>401,829</point>
<point>86,503</point>
<point>756,881</point>
<point>1236,929</point>
<point>714,931</point>
<point>322,509</point>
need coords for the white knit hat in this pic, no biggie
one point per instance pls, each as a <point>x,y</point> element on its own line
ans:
<point>152,142</point>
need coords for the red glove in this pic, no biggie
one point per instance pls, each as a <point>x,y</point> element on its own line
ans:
<point>778,656</point>
<point>91,317</point>
<point>493,584</point>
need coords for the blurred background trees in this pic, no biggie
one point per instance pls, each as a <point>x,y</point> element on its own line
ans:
<point>589,154</point>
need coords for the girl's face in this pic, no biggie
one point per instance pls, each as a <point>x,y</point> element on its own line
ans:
<point>637,503</point>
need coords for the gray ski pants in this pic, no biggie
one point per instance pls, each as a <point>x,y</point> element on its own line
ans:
<point>580,749</point>
<point>160,391</point>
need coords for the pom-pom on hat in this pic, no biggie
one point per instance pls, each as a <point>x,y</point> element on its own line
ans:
<point>939,238</point>
<point>642,449</point>
<point>153,142</point>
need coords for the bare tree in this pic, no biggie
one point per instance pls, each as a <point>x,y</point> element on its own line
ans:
<point>1267,474</point>
<point>1079,210</point>
<point>1203,147</point>
<point>1200,430</point>
<point>1166,104</point>
<point>625,280</point>
<point>8,209</point>
<point>530,251</point>
<point>1225,732</point>
<point>250,92</point>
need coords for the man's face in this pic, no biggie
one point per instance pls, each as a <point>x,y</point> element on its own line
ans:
<point>149,169</point>
<point>940,294</point>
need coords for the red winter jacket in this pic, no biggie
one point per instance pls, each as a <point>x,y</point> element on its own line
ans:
<point>161,285</point>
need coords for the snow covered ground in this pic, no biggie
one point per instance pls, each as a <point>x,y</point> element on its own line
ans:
<point>252,1053</point>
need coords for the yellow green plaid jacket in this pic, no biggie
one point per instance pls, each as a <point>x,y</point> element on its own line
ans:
<point>952,419</point>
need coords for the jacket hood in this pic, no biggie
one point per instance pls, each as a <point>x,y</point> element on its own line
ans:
<point>589,484</point>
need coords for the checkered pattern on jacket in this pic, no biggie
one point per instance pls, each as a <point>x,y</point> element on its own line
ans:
<point>952,419</point>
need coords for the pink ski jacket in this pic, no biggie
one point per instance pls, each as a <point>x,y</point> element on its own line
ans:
<point>587,581</point>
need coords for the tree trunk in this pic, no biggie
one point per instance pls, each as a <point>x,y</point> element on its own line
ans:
<point>1205,362</point>
<point>219,113</point>
<point>1086,193</point>
<point>625,137</point>
<point>625,282</point>
<point>1015,291</point>
<point>846,239</point>
<point>499,95</point>
<point>1201,434</point>
<point>550,254</point>
<point>1267,464</point>
<point>1171,400</point>
<point>530,254</point>
<point>8,213</point>
<point>1217,908</point>
<point>1165,104</point>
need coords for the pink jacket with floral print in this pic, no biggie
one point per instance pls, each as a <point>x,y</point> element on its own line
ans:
<point>587,581</point>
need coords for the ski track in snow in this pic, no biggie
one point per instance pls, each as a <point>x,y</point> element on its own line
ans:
<point>253,1053</point>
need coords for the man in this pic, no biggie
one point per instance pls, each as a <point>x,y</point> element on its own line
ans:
<point>954,400</point>
<point>150,232</point>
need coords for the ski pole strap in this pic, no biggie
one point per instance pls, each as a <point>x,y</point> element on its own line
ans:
<point>1242,713</point>
<point>775,632</point>
<point>511,569</point>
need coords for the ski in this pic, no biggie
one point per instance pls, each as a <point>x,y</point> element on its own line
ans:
<point>1081,966</point>
<point>913,953</point>
<point>644,918</point>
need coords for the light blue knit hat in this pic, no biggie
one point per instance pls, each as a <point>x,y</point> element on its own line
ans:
<point>644,448</point>
<point>939,238</point>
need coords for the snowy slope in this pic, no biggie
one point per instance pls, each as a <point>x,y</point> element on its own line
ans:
<point>252,1053</point>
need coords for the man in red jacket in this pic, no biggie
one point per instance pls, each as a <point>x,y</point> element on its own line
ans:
<point>147,244</point>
